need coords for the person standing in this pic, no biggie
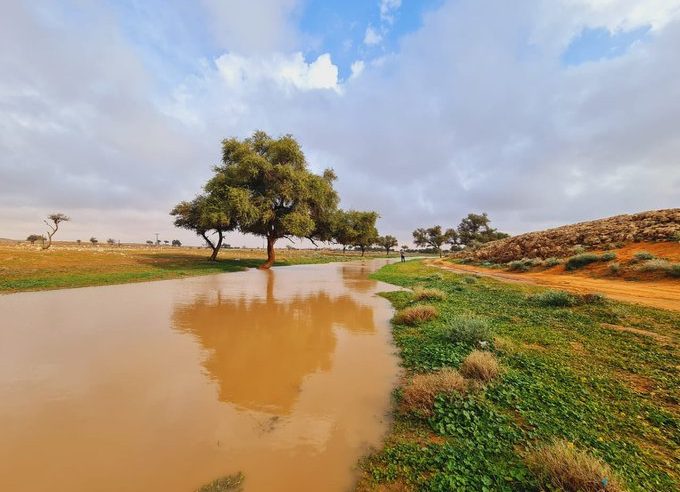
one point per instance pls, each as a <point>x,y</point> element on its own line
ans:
<point>403,256</point>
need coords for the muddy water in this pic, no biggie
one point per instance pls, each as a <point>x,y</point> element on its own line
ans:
<point>164,386</point>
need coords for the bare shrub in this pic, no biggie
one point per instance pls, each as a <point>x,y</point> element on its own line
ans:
<point>419,394</point>
<point>415,315</point>
<point>561,466</point>
<point>480,365</point>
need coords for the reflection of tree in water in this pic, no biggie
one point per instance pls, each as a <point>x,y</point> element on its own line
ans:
<point>261,349</point>
<point>355,277</point>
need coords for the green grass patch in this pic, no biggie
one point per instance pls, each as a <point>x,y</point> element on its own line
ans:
<point>565,377</point>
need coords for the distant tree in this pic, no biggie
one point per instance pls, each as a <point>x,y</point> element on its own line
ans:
<point>55,220</point>
<point>166,241</point>
<point>343,230</point>
<point>111,241</point>
<point>265,185</point>
<point>176,242</point>
<point>35,237</point>
<point>387,243</point>
<point>202,215</point>
<point>475,229</point>
<point>149,242</point>
<point>93,240</point>
<point>78,241</point>
<point>432,237</point>
<point>363,224</point>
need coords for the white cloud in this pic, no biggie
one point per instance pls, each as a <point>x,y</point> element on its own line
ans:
<point>372,37</point>
<point>626,14</point>
<point>286,71</point>
<point>357,68</point>
<point>388,8</point>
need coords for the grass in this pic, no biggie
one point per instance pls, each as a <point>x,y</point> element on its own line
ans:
<point>468,329</point>
<point>419,395</point>
<point>480,365</point>
<point>229,483</point>
<point>567,376</point>
<point>562,466</point>
<point>423,294</point>
<point>555,298</point>
<point>414,315</point>
<point>24,268</point>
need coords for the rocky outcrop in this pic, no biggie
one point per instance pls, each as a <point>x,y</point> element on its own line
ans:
<point>613,232</point>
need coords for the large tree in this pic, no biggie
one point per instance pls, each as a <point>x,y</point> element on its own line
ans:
<point>266,184</point>
<point>433,237</point>
<point>53,221</point>
<point>476,229</point>
<point>206,216</point>
<point>387,243</point>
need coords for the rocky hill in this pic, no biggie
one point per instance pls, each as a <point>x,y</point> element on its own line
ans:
<point>612,232</point>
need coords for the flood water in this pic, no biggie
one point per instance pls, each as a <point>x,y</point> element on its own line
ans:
<point>284,375</point>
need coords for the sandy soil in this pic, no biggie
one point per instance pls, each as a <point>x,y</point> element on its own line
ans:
<point>660,293</point>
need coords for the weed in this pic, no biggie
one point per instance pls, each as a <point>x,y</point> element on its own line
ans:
<point>553,298</point>
<point>561,466</point>
<point>469,329</point>
<point>414,315</point>
<point>614,268</point>
<point>579,261</point>
<point>229,483</point>
<point>643,256</point>
<point>419,395</point>
<point>432,294</point>
<point>480,365</point>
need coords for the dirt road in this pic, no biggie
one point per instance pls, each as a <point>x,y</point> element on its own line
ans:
<point>664,294</point>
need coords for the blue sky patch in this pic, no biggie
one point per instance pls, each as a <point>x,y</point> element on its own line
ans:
<point>599,43</point>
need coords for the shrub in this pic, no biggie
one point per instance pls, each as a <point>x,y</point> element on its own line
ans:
<point>524,264</point>
<point>553,298</point>
<point>421,294</point>
<point>419,394</point>
<point>415,314</point>
<point>674,270</point>
<point>593,298</point>
<point>614,268</point>
<point>581,260</point>
<point>578,249</point>
<point>551,262</point>
<point>643,256</point>
<point>560,466</point>
<point>480,365</point>
<point>609,256</point>
<point>469,279</point>
<point>469,330</point>
<point>655,265</point>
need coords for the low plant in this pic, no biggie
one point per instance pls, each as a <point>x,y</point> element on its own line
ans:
<point>469,329</point>
<point>578,249</point>
<point>414,315</point>
<point>674,271</point>
<point>553,298</point>
<point>590,298</point>
<point>608,256</point>
<point>655,265</point>
<point>480,365</point>
<point>551,262</point>
<point>229,483</point>
<point>579,261</point>
<point>615,268</point>
<point>431,294</point>
<point>561,466</point>
<point>419,395</point>
<point>643,256</point>
<point>524,264</point>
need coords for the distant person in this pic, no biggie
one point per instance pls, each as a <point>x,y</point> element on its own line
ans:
<point>403,256</point>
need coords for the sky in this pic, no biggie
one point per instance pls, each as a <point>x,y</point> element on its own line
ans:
<point>539,112</point>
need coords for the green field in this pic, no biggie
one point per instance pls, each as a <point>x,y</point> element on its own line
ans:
<point>600,375</point>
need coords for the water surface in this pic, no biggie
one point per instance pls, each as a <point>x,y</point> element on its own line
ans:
<point>284,375</point>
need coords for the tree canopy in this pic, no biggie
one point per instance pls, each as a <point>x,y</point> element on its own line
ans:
<point>387,243</point>
<point>476,229</point>
<point>355,228</point>
<point>433,237</point>
<point>55,220</point>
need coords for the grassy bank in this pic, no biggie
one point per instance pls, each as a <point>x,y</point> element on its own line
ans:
<point>568,391</point>
<point>24,268</point>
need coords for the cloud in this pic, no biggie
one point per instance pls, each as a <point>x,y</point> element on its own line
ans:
<point>388,8</point>
<point>474,112</point>
<point>372,37</point>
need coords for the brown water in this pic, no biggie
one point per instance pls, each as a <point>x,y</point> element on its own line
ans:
<point>283,375</point>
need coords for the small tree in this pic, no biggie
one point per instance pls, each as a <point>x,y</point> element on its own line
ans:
<point>433,237</point>
<point>35,237</point>
<point>78,241</point>
<point>476,228</point>
<point>149,242</point>
<point>94,240</point>
<point>387,242</point>
<point>176,242</point>
<point>166,241</point>
<point>111,241</point>
<point>56,219</point>
<point>363,224</point>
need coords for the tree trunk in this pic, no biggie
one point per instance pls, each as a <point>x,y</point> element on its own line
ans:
<point>271,255</point>
<point>215,247</point>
